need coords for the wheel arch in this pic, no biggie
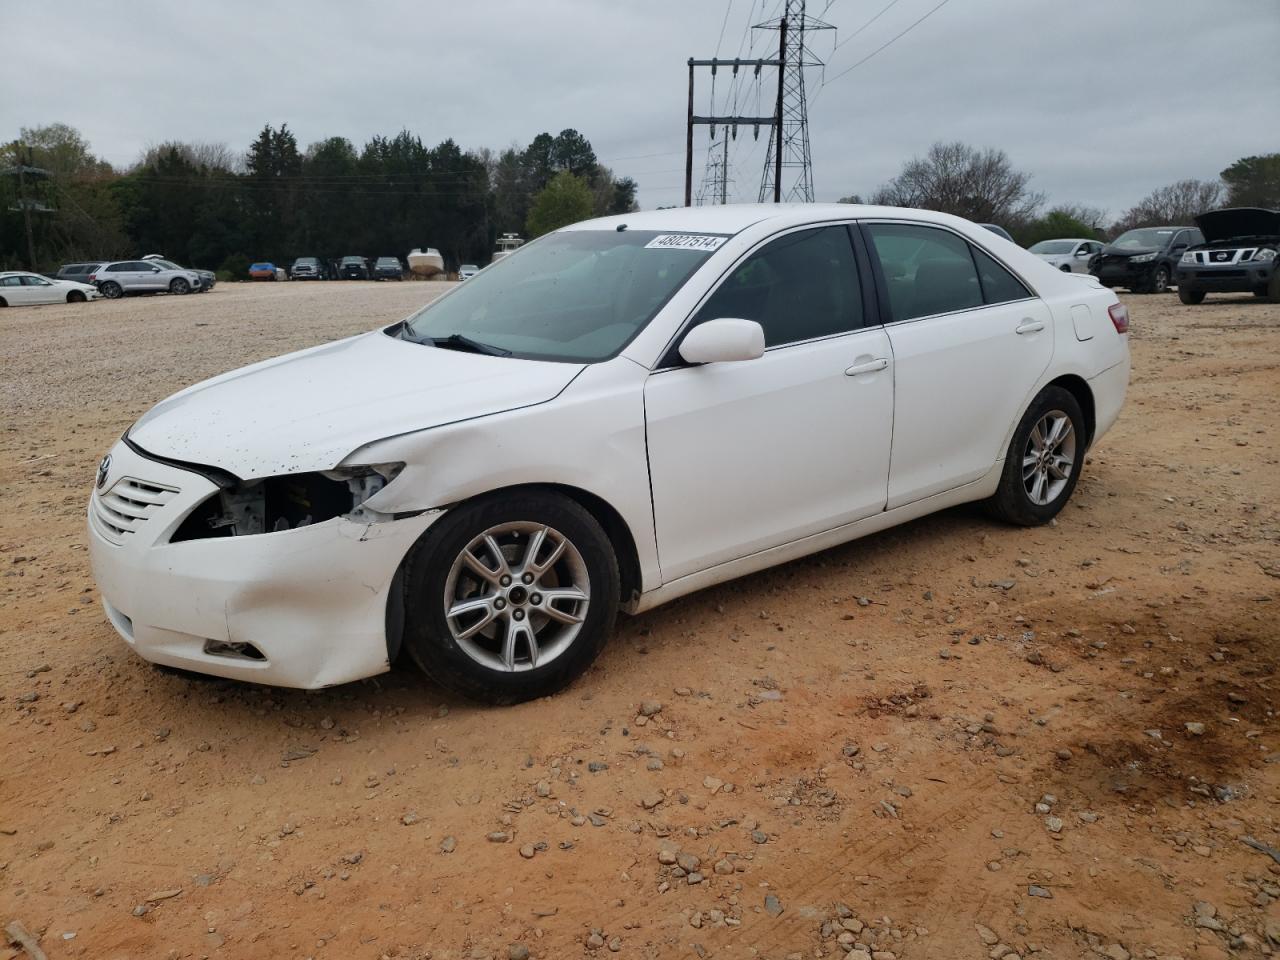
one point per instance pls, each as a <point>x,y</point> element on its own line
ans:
<point>604,513</point>
<point>1078,387</point>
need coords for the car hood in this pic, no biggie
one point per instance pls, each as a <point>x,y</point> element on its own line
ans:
<point>308,410</point>
<point>1220,225</point>
<point>1111,251</point>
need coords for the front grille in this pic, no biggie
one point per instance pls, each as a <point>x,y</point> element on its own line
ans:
<point>129,503</point>
<point>1216,274</point>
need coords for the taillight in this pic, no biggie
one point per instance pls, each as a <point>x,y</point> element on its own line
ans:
<point>1119,315</point>
<point>93,277</point>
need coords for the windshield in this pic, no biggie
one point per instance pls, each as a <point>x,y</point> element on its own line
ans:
<point>580,295</point>
<point>167,264</point>
<point>1144,239</point>
<point>305,262</point>
<point>358,261</point>
<point>1054,246</point>
<point>388,262</point>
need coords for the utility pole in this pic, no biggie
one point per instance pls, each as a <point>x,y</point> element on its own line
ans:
<point>724,172</point>
<point>24,172</point>
<point>731,123</point>
<point>790,149</point>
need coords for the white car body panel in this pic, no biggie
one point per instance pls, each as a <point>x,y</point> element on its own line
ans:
<point>307,411</point>
<point>827,436</point>
<point>713,471</point>
<point>48,290</point>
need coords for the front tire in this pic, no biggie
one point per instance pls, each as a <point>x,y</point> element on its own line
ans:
<point>1273,288</point>
<point>179,286</point>
<point>1043,461</point>
<point>112,290</point>
<point>510,597</point>
<point>1189,296</point>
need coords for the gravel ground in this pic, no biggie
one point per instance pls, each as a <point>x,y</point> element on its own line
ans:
<point>952,739</point>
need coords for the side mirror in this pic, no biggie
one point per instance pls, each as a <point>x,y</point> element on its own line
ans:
<point>723,341</point>
<point>155,269</point>
<point>1084,252</point>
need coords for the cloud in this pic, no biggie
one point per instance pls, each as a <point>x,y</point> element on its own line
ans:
<point>1100,100</point>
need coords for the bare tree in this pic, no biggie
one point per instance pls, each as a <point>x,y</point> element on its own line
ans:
<point>1174,204</point>
<point>212,156</point>
<point>981,185</point>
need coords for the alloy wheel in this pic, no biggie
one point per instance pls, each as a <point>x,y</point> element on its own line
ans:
<point>1049,457</point>
<point>516,596</point>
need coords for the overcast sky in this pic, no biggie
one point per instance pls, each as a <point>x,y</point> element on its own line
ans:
<point>1100,100</point>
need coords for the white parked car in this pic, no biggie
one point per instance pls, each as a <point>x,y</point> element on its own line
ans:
<point>18,289</point>
<point>467,271</point>
<point>123,277</point>
<point>1069,256</point>
<point>617,414</point>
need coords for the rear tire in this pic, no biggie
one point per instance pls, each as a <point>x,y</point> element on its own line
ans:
<point>112,290</point>
<point>3,302</point>
<point>76,296</point>
<point>1189,296</point>
<point>1043,461</point>
<point>489,640</point>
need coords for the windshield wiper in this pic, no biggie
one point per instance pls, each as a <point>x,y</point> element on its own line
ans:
<point>458,341</point>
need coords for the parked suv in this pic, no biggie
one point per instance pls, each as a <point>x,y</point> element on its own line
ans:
<point>1238,255</point>
<point>142,276</point>
<point>388,268</point>
<point>353,268</point>
<point>207,277</point>
<point>77,272</point>
<point>1144,259</point>
<point>307,268</point>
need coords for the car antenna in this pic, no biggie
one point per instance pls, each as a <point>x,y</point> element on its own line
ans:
<point>621,227</point>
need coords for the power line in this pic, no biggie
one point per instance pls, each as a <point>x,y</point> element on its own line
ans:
<point>883,10</point>
<point>887,43</point>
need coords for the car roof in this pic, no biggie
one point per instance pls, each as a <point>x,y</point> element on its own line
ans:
<point>735,217</point>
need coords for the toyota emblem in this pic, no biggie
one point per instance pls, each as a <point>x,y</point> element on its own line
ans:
<point>103,469</point>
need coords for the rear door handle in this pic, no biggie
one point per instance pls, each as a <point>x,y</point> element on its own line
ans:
<point>1030,326</point>
<point>870,367</point>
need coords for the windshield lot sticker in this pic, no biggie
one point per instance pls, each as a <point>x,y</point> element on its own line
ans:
<point>685,241</point>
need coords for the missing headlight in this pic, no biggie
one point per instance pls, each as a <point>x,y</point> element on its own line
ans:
<point>285,503</point>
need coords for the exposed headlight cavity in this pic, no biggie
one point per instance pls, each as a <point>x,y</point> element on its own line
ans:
<point>288,502</point>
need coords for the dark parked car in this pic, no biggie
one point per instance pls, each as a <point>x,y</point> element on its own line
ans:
<point>308,268</point>
<point>1144,259</point>
<point>1237,255</point>
<point>79,272</point>
<point>353,268</point>
<point>388,268</point>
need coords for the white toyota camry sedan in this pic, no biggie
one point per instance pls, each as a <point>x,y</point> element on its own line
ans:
<point>617,414</point>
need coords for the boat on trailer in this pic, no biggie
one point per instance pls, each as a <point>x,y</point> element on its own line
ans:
<point>425,263</point>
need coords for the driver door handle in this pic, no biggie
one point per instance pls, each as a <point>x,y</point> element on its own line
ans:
<point>1030,326</point>
<point>871,366</point>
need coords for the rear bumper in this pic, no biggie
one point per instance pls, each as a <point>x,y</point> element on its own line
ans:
<point>1109,388</point>
<point>1238,278</point>
<point>312,601</point>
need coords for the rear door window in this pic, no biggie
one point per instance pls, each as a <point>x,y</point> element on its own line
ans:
<point>998,284</point>
<point>927,271</point>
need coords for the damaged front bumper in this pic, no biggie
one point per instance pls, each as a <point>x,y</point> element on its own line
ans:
<point>305,607</point>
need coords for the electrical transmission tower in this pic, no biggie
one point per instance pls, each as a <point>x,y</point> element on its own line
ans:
<point>715,181</point>
<point>788,162</point>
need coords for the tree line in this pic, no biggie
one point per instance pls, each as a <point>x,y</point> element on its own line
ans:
<point>983,185</point>
<point>204,205</point>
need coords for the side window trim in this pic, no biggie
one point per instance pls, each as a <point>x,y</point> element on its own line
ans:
<point>669,359</point>
<point>882,291</point>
